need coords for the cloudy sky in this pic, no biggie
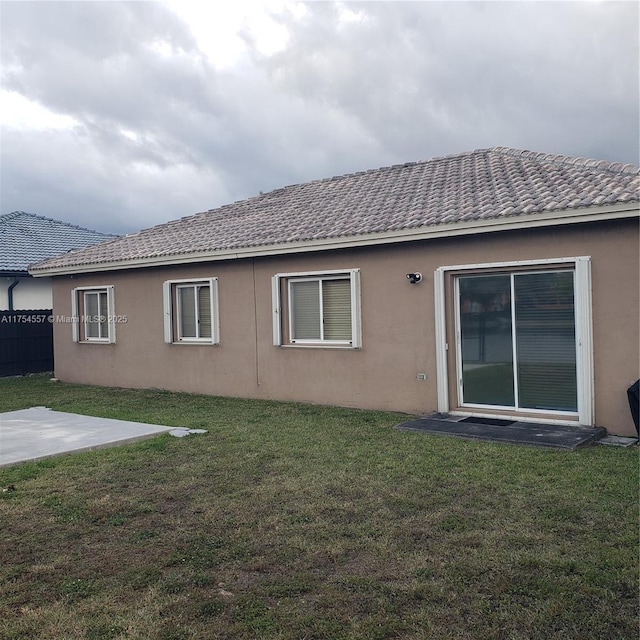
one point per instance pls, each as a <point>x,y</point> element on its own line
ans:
<point>121,115</point>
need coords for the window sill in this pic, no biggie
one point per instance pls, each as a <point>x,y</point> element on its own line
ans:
<point>328,345</point>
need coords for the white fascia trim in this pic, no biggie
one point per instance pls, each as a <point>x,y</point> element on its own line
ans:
<point>532,221</point>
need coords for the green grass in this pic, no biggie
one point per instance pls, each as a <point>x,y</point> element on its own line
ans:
<point>295,521</point>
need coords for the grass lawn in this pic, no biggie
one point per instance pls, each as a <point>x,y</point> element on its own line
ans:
<point>305,522</point>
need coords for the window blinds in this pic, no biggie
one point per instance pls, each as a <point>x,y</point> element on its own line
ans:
<point>321,309</point>
<point>336,305</point>
<point>306,310</point>
<point>545,340</point>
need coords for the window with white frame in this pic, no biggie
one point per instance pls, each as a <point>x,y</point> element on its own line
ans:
<point>317,308</point>
<point>191,311</point>
<point>93,314</point>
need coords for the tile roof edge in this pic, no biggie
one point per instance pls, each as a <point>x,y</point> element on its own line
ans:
<point>340,176</point>
<point>601,165</point>
<point>537,219</point>
<point>15,214</point>
<point>589,163</point>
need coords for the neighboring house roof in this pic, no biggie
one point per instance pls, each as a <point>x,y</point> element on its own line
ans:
<point>26,238</point>
<point>464,193</point>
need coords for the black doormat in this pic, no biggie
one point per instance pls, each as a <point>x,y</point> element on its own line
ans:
<point>496,422</point>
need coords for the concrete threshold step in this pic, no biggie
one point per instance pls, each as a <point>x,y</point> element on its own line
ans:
<point>507,431</point>
<point>617,441</point>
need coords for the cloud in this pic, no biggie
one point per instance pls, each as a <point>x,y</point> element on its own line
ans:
<point>147,121</point>
<point>438,75</point>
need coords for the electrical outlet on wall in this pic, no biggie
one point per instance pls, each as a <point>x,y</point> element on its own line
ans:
<point>422,376</point>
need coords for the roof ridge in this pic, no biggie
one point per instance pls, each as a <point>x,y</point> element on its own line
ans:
<point>10,216</point>
<point>589,163</point>
<point>16,214</point>
<point>352,174</point>
<point>602,165</point>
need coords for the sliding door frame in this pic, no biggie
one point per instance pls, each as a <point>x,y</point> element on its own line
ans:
<point>445,286</point>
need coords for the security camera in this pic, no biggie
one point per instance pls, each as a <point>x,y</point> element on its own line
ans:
<point>413,278</point>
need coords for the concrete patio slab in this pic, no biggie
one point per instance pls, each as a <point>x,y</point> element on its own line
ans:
<point>32,434</point>
<point>512,432</point>
<point>618,441</point>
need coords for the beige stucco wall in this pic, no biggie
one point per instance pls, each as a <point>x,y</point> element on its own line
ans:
<point>397,324</point>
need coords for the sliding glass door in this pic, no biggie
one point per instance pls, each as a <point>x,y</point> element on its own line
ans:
<point>517,340</point>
